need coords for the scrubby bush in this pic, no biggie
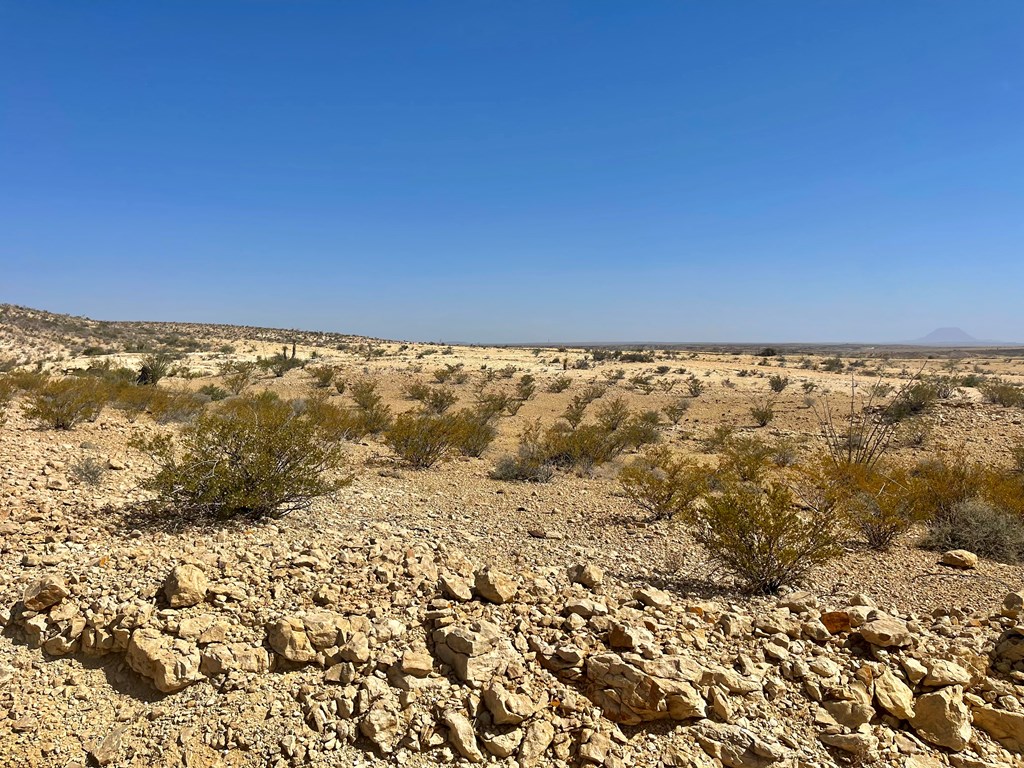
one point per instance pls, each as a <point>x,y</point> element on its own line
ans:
<point>777,382</point>
<point>911,401</point>
<point>213,392</point>
<point>763,411</point>
<point>280,363</point>
<point>675,410</point>
<point>559,384</point>
<point>421,439</point>
<point>6,395</point>
<point>323,376</point>
<point>529,464</point>
<point>255,455</point>
<point>760,535</point>
<point>133,400</point>
<point>175,406</point>
<point>663,483</point>
<point>374,416</point>
<point>694,386</point>
<point>62,403</point>
<point>878,501</point>
<point>238,375</point>
<point>719,437</point>
<point>88,470</point>
<point>1017,453</point>
<point>439,399</point>
<point>1002,393</point>
<point>526,387</point>
<point>981,527</point>
<point>472,432</point>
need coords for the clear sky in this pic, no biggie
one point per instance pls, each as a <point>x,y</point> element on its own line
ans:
<point>519,171</point>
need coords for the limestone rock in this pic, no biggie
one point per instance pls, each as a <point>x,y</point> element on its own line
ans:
<point>894,696</point>
<point>186,585</point>
<point>495,586</point>
<point>734,746</point>
<point>462,736</point>
<point>287,636</point>
<point>942,718</point>
<point>587,574</point>
<point>171,664</point>
<point>959,558</point>
<point>44,593</point>
<point>633,691</point>
<point>1005,727</point>
<point>886,632</point>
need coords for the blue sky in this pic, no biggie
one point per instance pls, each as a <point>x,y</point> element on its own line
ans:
<point>519,171</point>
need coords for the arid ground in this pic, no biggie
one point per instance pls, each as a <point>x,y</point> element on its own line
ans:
<point>440,616</point>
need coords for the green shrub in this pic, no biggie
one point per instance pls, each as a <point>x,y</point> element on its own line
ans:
<point>581,449</point>
<point>213,392</point>
<point>238,375</point>
<point>777,382</point>
<point>255,455</point>
<point>675,410</point>
<point>472,432</point>
<point>373,416</point>
<point>279,364</point>
<point>529,464</point>
<point>758,534</point>
<point>323,376</point>
<point>175,406</point>
<point>559,384</point>
<point>62,403</point>
<point>663,483</point>
<point>6,395</point>
<point>978,526</point>
<point>694,386</point>
<point>526,387</point>
<point>421,439</point>
<point>1002,393</point>
<point>911,401</point>
<point>879,501</point>
<point>763,411</point>
<point>154,367</point>
<point>133,400</point>
<point>439,399</point>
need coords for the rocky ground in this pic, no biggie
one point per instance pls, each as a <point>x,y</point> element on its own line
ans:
<point>440,617</point>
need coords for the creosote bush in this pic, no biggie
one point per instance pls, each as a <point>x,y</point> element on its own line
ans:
<point>421,439</point>
<point>62,403</point>
<point>1002,393</point>
<point>254,455</point>
<point>758,533</point>
<point>530,463</point>
<point>6,395</point>
<point>981,527</point>
<point>663,483</point>
<point>238,375</point>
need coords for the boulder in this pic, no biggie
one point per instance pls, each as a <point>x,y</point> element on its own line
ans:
<point>462,736</point>
<point>959,558</point>
<point>1005,727</point>
<point>886,632</point>
<point>44,593</point>
<point>494,586</point>
<point>894,696</point>
<point>587,574</point>
<point>172,664</point>
<point>942,718</point>
<point>287,636</point>
<point>632,690</point>
<point>186,585</point>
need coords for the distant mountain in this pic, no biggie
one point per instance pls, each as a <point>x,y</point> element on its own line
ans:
<point>955,337</point>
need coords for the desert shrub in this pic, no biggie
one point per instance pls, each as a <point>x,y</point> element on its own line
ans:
<point>280,363</point>
<point>559,384</point>
<point>373,415</point>
<point>213,392</point>
<point>529,464</point>
<point>760,535</point>
<point>238,375</point>
<point>720,435</point>
<point>785,453</point>
<point>254,455</point>
<point>526,387</point>
<point>613,414</point>
<point>421,439</point>
<point>6,395</point>
<point>617,374</point>
<point>744,459</point>
<point>878,501</point>
<point>694,386</point>
<point>439,399</point>
<point>640,429</point>
<point>1002,393</point>
<point>832,364</point>
<point>575,411</point>
<point>763,411</point>
<point>115,376</point>
<point>417,390</point>
<point>663,483</point>
<point>154,367</point>
<point>981,527</point>
<point>472,432</point>
<point>62,403</point>
<point>27,381</point>
<point>323,376</point>
<point>778,382</point>
<point>172,406</point>
<point>88,470</point>
<point>642,383</point>
<point>496,402</point>
<point>675,410</point>
<point>912,400</point>
<point>1017,453</point>
<point>133,400</point>
<point>581,449</point>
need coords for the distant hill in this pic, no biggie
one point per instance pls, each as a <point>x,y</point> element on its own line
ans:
<point>955,337</point>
